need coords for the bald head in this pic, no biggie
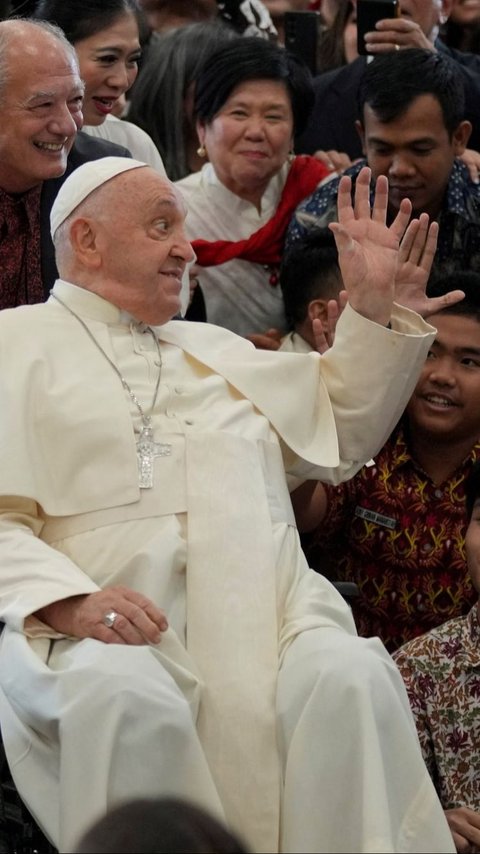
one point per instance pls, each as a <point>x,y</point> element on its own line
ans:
<point>22,39</point>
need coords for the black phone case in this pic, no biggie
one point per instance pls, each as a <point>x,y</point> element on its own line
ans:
<point>368,13</point>
<point>301,36</point>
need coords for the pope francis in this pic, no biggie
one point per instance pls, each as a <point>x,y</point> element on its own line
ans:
<point>163,633</point>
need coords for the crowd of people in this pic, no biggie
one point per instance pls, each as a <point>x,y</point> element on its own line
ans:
<point>239,370</point>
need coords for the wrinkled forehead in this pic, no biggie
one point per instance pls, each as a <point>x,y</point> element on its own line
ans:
<point>139,192</point>
<point>41,66</point>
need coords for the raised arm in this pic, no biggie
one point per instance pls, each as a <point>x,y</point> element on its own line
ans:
<point>368,248</point>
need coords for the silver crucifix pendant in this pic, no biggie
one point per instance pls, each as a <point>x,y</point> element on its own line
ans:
<point>147,450</point>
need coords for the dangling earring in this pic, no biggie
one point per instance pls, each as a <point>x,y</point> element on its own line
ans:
<point>290,157</point>
<point>201,150</point>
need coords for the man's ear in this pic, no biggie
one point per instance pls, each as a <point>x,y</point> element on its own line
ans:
<point>361,132</point>
<point>83,238</point>
<point>317,308</point>
<point>461,135</point>
<point>445,11</point>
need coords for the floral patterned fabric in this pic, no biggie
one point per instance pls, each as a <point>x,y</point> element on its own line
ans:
<point>441,671</point>
<point>20,266</point>
<point>400,538</point>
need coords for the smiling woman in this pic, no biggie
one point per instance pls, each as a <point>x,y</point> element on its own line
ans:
<point>105,34</point>
<point>251,96</point>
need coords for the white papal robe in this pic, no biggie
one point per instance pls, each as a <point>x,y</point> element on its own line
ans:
<point>259,703</point>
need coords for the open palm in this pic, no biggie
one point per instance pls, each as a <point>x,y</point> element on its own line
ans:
<point>368,249</point>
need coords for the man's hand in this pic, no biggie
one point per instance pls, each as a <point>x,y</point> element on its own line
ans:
<point>367,247</point>
<point>471,159</point>
<point>335,160</point>
<point>395,34</point>
<point>324,330</point>
<point>415,258</point>
<point>464,825</point>
<point>269,340</point>
<point>138,620</point>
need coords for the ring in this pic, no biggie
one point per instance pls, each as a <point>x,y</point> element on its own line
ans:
<point>109,619</point>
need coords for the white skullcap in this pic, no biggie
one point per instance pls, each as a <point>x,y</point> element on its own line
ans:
<point>84,181</point>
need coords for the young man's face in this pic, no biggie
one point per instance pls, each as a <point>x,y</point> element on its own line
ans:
<point>415,152</point>
<point>445,406</point>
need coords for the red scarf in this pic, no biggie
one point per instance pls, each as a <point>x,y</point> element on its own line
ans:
<point>265,246</point>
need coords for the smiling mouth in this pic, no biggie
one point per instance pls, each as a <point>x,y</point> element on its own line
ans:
<point>439,400</point>
<point>104,105</point>
<point>50,146</point>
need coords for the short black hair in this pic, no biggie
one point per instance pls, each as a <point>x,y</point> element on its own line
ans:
<point>393,81</point>
<point>80,19</point>
<point>472,488</point>
<point>464,280</point>
<point>159,825</point>
<point>252,58</point>
<point>309,271</point>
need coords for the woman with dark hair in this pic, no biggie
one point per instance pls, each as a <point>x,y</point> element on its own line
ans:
<point>161,102</point>
<point>251,97</point>
<point>337,45</point>
<point>106,37</point>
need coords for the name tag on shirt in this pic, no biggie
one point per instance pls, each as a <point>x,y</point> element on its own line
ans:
<point>371,516</point>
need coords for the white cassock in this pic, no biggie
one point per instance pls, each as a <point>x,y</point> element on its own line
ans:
<point>260,703</point>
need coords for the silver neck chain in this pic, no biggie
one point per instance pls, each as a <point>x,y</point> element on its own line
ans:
<point>146,418</point>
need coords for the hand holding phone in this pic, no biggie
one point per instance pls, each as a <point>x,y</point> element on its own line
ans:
<point>368,13</point>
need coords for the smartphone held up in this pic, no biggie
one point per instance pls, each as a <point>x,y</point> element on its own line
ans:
<point>368,13</point>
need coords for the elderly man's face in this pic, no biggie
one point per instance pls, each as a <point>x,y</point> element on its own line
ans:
<point>425,13</point>
<point>142,244</point>
<point>40,111</point>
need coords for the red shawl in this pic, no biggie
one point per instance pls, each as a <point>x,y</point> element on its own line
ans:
<point>265,245</point>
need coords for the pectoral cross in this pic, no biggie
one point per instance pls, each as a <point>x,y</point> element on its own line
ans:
<point>147,450</point>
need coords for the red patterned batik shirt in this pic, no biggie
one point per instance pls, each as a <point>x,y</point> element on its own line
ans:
<point>400,538</point>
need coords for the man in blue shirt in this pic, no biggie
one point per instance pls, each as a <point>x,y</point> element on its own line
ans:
<point>413,131</point>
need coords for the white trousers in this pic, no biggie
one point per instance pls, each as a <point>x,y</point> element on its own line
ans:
<point>102,724</point>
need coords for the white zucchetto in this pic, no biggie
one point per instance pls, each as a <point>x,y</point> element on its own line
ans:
<point>84,181</point>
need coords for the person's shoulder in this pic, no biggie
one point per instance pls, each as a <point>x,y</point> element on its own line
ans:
<point>87,148</point>
<point>131,137</point>
<point>189,182</point>
<point>443,643</point>
<point>327,190</point>
<point>464,59</point>
<point>345,77</point>
<point>14,320</point>
<point>191,332</point>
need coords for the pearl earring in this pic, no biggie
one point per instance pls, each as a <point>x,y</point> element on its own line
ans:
<point>202,151</point>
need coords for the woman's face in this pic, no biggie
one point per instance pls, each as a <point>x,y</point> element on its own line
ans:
<point>249,139</point>
<point>108,65</point>
<point>465,12</point>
